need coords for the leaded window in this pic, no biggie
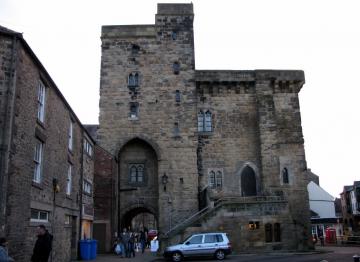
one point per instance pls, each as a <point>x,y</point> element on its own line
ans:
<point>204,121</point>
<point>215,178</point>
<point>133,80</point>
<point>136,173</point>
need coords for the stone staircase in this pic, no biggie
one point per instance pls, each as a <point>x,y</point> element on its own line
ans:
<point>195,222</point>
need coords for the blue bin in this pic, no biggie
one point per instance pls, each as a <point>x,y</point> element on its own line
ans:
<point>93,249</point>
<point>85,249</point>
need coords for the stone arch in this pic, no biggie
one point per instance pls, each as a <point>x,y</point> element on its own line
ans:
<point>145,139</point>
<point>132,211</point>
<point>137,193</point>
<point>249,170</point>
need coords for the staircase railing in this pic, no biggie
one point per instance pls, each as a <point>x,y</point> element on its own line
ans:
<point>219,203</point>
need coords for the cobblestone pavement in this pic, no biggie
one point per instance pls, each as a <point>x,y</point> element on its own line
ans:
<point>322,254</point>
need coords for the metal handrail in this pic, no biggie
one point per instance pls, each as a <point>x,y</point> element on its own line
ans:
<point>221,202</point>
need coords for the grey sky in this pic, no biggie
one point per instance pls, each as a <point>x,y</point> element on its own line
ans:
<point>321,37</point>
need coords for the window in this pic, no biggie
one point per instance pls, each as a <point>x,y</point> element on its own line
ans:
<point>71,136</point>
<point>173,35</point>
<point>135,49</point>
<point>87,187</point>
<point>38,156</point>
<point>67,219</point>
<point>204,121</point>
<point>39,216</point>
<point>133,80</point>
<point>176,68</point>
<point>136,172</point>
<point>213,238</point>
<point>254,225</point>
<point>177,96</point>
<point>88,147</point>
<point>134,110</point>
<point>268,232</point>
<point>41,102</point>
<point>176,129</point>
<point>69,180</point>
<point>277,232</point>
<point>195,240</point>
<point>215,179</point>
<point>285,176</point>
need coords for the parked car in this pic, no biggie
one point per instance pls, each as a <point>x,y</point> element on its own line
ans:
<point>215,245</point>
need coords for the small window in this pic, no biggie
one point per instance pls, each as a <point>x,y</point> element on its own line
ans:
<point>254,225</point>
<point>71,136</point>
<point>215,179</point>
<point>41,102</point>
<point>134,109</point>
<point>38,160</point>
<point>173,35</point>
<point>195,240</point>
<point>133,80</point>
<point>212,179</point>
<point>268,232</point>
<point>176,129</point>
<point>135,49</point>
<point>69,180</point>
<point>87,187</point>
<point>39,216</point>
<point>218,179</point>
<point>201,121</point>
<point>204,121</point>
<point>176,68</point>
<point>177,96</point>
<point>88,148</point>
<point>136,173</point>
<point>67,219</point>
<point>285,176</point>
<point>208,127</point>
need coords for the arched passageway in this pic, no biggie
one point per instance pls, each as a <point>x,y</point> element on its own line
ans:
<point>139,218</point>
<point>248,182</point>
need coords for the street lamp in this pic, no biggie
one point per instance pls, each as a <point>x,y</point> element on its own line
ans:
<point>164,180</point>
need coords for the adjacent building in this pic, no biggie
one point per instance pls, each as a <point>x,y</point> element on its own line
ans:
<point>350,204</point>
<point>46,157</point>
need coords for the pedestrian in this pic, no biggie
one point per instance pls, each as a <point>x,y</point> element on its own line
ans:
<point>4,256</point>
<point>117,247</point>
<point>142,241</point>
<point>132,244</point>
<point>154,246</point>
<point>42,246</point>
<point>321,240</point>
<point>125,238</point>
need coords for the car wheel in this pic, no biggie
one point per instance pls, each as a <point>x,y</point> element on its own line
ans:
<point>220,255</point>
<point>176,256</point>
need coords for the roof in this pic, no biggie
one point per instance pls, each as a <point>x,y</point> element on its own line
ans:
<point>92,130</point>
<point>37,61</point>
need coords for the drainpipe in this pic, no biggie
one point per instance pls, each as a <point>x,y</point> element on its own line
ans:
<point>81,190</point>
<point>7,134</point>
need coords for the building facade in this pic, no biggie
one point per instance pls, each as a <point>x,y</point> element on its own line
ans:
<point>47,165</point>
<point>350,205</point>
<point>204,149</point>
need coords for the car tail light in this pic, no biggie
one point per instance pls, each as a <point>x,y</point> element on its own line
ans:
<point>229,245</point>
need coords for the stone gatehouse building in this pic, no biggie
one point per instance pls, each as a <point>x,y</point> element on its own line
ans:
<point>206,150</point>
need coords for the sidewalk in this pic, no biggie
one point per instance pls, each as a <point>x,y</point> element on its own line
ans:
<point>139,257</point>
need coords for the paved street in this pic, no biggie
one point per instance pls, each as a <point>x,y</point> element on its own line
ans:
<point>330,254</point>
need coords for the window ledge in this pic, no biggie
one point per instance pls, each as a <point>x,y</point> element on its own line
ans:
<point>37,185</point>
<point>205,133</point>
<point>133,118</point>
<point>41,124</point>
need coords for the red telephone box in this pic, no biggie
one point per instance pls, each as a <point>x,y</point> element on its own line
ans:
<point>330,235</point>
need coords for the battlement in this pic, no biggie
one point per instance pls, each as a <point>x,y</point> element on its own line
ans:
<point>175,9</point>
<point>125,31</point>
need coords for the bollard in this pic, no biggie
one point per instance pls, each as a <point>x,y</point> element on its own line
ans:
<point>356,258</point>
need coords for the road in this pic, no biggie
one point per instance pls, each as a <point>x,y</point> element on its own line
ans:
<point>322,254</point>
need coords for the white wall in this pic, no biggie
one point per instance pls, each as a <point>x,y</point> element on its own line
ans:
<point>321,201</point>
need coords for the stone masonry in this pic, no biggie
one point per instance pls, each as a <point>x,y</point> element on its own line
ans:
<point>200,136</point>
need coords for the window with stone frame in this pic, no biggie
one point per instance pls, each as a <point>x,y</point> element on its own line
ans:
<point>38,161</point>
<point>136,173</point>
<point>41,102</point>
<point>215,178</point>
<point>133,80</point>
<point>204,121</point>
<point>134,110</point>
<point>69,180</point>
<point>39,215</point>
<point>71,136</point>
<point>268,232</point>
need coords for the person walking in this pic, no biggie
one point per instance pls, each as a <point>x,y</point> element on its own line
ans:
<point>132,244</point>
<point>142,241</point>
<point>125,238</point>
<point>42,246</point>
<point>4,256</point>
<point>154,246</point>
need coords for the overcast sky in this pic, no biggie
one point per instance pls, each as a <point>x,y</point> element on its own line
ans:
<point>321,37</point>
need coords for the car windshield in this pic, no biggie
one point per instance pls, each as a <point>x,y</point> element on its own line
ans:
<point>187,239</point>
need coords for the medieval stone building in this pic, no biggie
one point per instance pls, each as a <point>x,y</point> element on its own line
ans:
<point>46,157</point>
<point>203,150</point>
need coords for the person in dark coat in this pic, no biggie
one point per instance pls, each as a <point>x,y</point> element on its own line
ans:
<point>42,246</point>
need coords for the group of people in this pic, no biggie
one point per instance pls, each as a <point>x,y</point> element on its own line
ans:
<point>41,251</point>
<point>128,242</point>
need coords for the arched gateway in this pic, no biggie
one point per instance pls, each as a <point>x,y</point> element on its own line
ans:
<point>138,189</point>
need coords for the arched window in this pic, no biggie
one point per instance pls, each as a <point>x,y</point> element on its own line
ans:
<point>208,121</point>
<point>133,80</point>
<point>212,179</point>
<point>176,68</point>
<point>268,232</point>
<point>248,182</point>
<point>285,176</point>
<point>136,173</point>
<point>277,232</point>
<point>204,121</point>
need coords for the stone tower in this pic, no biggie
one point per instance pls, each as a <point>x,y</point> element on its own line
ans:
<point>227,143</point>
<point>147,114</point>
